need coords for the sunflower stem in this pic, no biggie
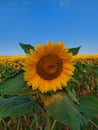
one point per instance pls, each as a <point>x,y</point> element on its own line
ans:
<point>3,122</point>
<point>48,123</point>
<point>18,123</point>
<point>52,127</point>
<point>93,123</point>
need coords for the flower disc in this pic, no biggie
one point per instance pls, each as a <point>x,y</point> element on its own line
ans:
<point>49,67</point>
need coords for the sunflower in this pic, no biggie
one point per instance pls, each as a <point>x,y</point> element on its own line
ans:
<point>49,67</point>
<point>89,62</point>
<point>16,66</point>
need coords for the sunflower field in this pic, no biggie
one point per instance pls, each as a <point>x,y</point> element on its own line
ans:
<point>50,88</point>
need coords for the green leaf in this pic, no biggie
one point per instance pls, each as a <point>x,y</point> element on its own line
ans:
<point>26,47</point>
<point>72,96</point>
<point>62,109</point>
<point>75,50</point>
<point>89,106</point>
<point>15,86</point>
<point>74,80</point>
<point>15,106</point>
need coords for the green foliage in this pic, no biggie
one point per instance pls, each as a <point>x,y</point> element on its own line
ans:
<point>89,106</point>
<point>26,47</point>
<point>57,125</point>
<point>72,96</point>
<point>15,106</point>
<point>75,50</point>
<point>15,86</point>
<point>72,110</point>
<point>65,111</point>
<point>9,72</point>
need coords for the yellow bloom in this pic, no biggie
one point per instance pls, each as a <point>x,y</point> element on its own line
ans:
<point>47,100</point>
<point>49,67</point>
<point>82,60</point>
<point>16,66</point>
<point>89,62</point>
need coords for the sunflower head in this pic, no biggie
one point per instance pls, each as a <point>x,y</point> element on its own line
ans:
<point>48,67</point>
<point>16,66</point>
<point>90,62</point>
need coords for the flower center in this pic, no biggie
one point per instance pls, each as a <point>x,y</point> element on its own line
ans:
<point>49,67</point>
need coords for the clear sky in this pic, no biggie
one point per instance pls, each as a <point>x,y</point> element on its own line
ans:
<point>74,22</point>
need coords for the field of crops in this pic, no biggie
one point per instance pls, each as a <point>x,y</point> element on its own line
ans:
<point>85,76</point>
<point>83,83</point>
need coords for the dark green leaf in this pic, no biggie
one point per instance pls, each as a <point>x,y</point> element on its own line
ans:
<point>65,111</point>
<point>15,86</point>
<point>75,50</point>
<point>26,47</point>
<point>89,106</point>
<point>15,106</point>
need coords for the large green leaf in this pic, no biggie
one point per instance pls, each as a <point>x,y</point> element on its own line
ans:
<point>15,106</point>
<point>89,106</point>
<point>64,111</point>
<point>26,47</point>
<point>75,50</point>
<point>15,86</point>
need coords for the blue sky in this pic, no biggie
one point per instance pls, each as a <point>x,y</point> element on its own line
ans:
<point>74,22</point>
